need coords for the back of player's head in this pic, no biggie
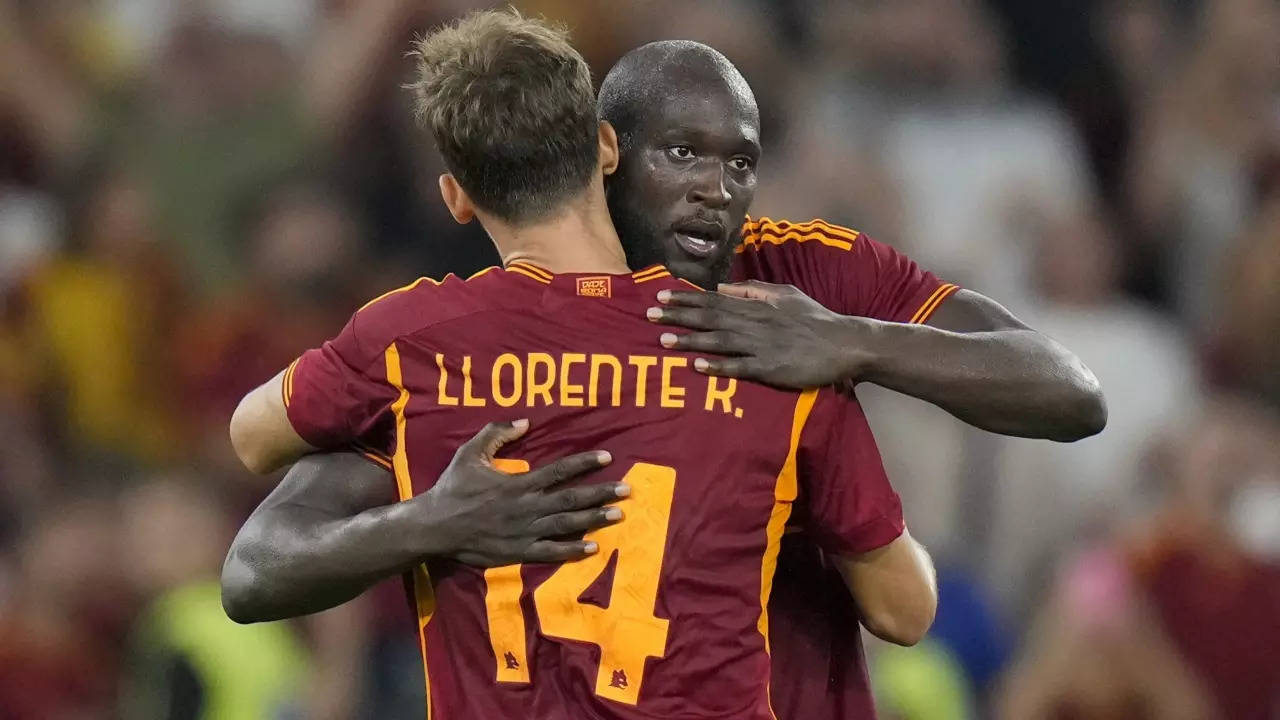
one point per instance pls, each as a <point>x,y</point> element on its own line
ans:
<point>510,104</point>
<point>635,88</point>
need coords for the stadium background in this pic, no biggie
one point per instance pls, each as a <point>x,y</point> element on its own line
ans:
<point>192,191</point>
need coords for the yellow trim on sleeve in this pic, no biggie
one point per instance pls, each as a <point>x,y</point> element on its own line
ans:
<point>376,459</point>
<point>286,383</point>
<point>927,308</point>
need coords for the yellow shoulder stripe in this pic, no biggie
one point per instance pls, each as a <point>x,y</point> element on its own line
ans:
<point>398,290</point>
<point>759,232</point>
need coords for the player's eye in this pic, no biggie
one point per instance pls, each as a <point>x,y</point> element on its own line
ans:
<point>741,164</point>
<point>680,152</point>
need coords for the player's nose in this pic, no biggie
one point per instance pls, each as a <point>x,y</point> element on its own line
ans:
<point>709,188</point>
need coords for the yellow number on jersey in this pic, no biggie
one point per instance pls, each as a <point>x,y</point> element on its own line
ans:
<point>502,605</point>
<point>627,631</point>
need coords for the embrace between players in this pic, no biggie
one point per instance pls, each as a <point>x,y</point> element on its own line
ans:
<point>686,521</point>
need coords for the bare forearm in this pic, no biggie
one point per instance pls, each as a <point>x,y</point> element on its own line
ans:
<point>974,359</point>
<point>328,531</point>
<point>294,560</point>
<point>332,527</point>
<point>1011,381</point>
<point>895,588</point>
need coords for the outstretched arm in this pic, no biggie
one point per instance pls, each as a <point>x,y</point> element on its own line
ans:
<point>974,359</point>
<point>333,528</point>
<point>978,362</point>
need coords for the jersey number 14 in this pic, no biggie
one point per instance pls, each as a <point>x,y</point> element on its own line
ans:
<point>627,632</point>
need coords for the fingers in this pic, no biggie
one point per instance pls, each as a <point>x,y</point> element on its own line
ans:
<point>566,468</point>
<point>751,290</point>
<point>713,300</point>
<point>574,523</point>
<point>704,318</point>
<point>552,551</point>
<point>486,443</point>
<point>720,342</point>
<point>581,498</point>
<point>705,311</point>
<point>746,368</point>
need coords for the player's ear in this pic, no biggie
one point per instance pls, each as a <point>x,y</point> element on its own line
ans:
<point>608,149</point>
<point>456,199</point>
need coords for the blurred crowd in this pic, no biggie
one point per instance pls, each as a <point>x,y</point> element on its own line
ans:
<point>193,191</point>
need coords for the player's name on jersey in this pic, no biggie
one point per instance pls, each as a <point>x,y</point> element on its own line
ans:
<point>582,380</point>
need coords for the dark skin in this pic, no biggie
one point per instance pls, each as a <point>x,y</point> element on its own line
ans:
<point>974,359</point>
<point>688,166</point>
<point>333,527</point>
<point>692,145</point>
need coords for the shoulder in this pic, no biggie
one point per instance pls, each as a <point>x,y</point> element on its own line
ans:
<point>804,254</point>
<point>420,305</point>
<point>763,232</point>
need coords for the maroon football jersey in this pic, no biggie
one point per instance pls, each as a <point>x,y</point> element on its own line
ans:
<point>819,669</point>
<point>668,619</point>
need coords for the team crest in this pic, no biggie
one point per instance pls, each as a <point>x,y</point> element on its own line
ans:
<point>595,287</point>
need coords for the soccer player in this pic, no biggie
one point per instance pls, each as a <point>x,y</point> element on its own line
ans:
<point>848,309</point>
<point>667,614</point>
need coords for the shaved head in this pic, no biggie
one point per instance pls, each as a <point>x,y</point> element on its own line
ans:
<point>689,135</point>
<point>666,70</point>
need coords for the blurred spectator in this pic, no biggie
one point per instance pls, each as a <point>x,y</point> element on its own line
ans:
<point>102,314</point>
<point>1096,655</point>
<point>1201,144</point>
<point>188,661</point>
<point>1248,356</point>
<point>972,158</point>
<point>301,281</point>
<point>62,624</point>
<point>220,112</point>
<point>1047,492</point>
<point>29,234</point>
<point>1209,557</point>
<point>30,225</point>
<point>220,108</point>
<point>920,128</point>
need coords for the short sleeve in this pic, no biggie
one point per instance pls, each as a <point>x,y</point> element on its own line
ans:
<point>845,498</point>
<point>842,269</point>
<point>338,394</point>
<point>888,285</point>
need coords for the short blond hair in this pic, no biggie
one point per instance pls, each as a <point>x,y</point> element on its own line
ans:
<point>510,104</point>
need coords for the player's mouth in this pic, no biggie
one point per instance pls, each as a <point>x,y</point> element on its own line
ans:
<point>698,238</point>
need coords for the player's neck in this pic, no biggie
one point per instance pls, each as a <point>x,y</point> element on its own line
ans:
<point>581,239</point>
